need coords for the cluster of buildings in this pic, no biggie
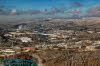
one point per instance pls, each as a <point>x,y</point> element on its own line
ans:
<point>66,39</point>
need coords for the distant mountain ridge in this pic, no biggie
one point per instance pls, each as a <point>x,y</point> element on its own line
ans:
<point>90,22</point>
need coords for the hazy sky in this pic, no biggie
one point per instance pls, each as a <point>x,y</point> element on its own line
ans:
<point>12,10</point>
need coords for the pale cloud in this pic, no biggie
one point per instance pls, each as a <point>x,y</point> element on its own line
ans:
<point>75,11</point>
<point>94,11</point>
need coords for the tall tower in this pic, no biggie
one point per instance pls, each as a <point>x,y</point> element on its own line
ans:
<point>19,28</point>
